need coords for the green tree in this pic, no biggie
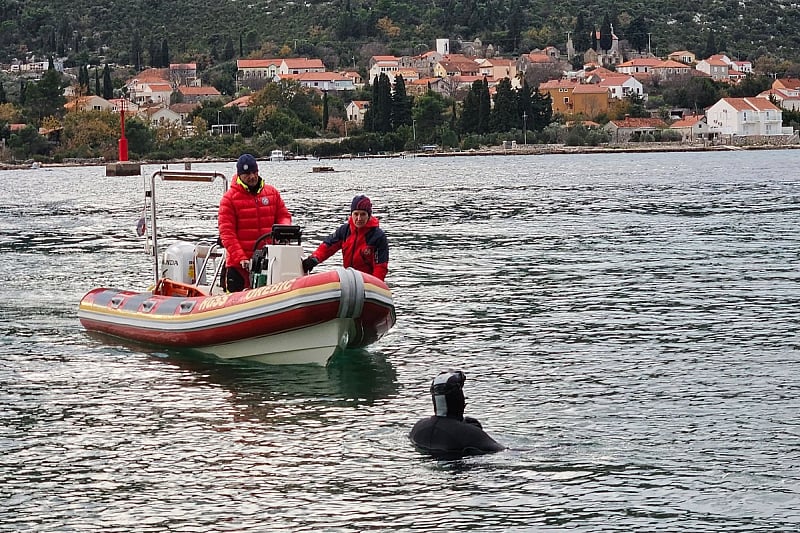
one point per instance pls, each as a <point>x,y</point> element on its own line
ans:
<point>429,115</point>
<point>136,50</point>
<point>541,110</point>
<point>503,116</point>
<point>46,97</point>
<point>108,87</point>
<point>164,54</point>
<point>605,35</point>
<point>637,33</point>
<point>3,97</point>
<point>401,104</point>
<point>97,90</point>
<point>379,115</point>
<point>27,142</point>
<point>484,106</point>
<point>324,110</point>
<point>468,122</point>
<point>582,39</point>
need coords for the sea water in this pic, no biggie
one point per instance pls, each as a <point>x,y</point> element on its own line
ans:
<point>628,325</point>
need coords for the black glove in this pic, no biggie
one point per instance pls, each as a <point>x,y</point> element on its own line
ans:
<point>309,263</point>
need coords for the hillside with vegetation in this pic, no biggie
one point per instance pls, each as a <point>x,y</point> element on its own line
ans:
<point>347,32</point>
<point>105,44</point>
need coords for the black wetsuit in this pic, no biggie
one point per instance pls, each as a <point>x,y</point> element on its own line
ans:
<point>445,436</point>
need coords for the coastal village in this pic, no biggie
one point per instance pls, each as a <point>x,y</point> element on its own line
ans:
<point>168,96</point>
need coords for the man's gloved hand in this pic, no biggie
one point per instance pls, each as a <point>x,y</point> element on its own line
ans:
<point>309,263</point>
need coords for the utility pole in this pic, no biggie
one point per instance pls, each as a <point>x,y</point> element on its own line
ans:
<point>525,127</point>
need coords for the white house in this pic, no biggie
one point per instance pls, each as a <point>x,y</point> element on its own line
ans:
<point>301,65</point>
<point>623,86</point>
<point>383,65</point>
<point>356,111</point>
<point>745,116</point>
<point>161,116</point>
<point>716,66</point>
<point>691,128</point>
<point>260,69</point>
<point>323,81</point>
<point>785,91</point>
<point>89,103</point>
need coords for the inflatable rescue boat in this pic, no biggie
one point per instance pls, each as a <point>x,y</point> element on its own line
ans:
<point>286,318</point>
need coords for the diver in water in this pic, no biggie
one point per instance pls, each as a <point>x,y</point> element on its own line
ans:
<point>449,432</point>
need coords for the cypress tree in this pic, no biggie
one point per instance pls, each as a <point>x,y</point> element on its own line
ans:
<point>468,123</point>
<point>3,97</point>
<point>324,110</point>
<point>164,54</point>
<point>401,104</point>
<point>97,83</point>
<point>503,115</point>
<point>108,87</point>
<point>605,35</point>
<point>484,107</point>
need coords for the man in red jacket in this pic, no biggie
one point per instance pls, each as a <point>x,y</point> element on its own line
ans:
<point>247,211</point>
<point>361,240</point>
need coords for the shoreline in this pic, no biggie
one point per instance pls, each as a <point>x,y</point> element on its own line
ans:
<point>537,149</point>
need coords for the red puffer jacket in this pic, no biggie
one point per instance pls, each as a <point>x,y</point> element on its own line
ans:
<point>245,216</point>
<point>365,249</point>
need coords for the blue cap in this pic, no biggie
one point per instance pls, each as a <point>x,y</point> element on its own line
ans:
<point>246,164</point>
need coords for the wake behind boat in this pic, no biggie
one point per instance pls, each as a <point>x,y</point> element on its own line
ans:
<point>287,318</point>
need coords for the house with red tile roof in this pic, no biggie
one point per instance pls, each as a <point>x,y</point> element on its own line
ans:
<point>322,81</point>
<point>465,67</point>
<point>691,127</point>
<point>632,128</point>
<point>623,86</point>
<point>745,117</point>
<point>784,91</point>
<point>383,65</point>
<point>716,66</point>
<point>89,103</point>
<point>259,69</point>
<point>570,98</point>
<point>356,110</point>
<point>193,95</point>
<point>243,102</point>
<point>683,56</point>
<point>301,65</point>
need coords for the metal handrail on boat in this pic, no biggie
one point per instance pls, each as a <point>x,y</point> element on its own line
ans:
<point>150,199</point>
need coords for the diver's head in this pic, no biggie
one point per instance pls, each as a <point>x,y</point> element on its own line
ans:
<point>448,394</point>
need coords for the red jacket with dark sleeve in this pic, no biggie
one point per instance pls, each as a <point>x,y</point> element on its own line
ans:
<point>365,249</point>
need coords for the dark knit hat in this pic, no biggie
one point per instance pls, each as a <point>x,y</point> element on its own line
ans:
<point>246,164</point>
<point>361,203</point>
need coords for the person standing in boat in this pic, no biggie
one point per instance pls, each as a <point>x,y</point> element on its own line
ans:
<point>449,433</point>
<point>248,210</point>
<point>363,243</point>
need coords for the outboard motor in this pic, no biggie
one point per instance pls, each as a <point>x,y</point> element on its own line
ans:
<point>177,263</point>
<point>447,391</point>
<point>280,261</point>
